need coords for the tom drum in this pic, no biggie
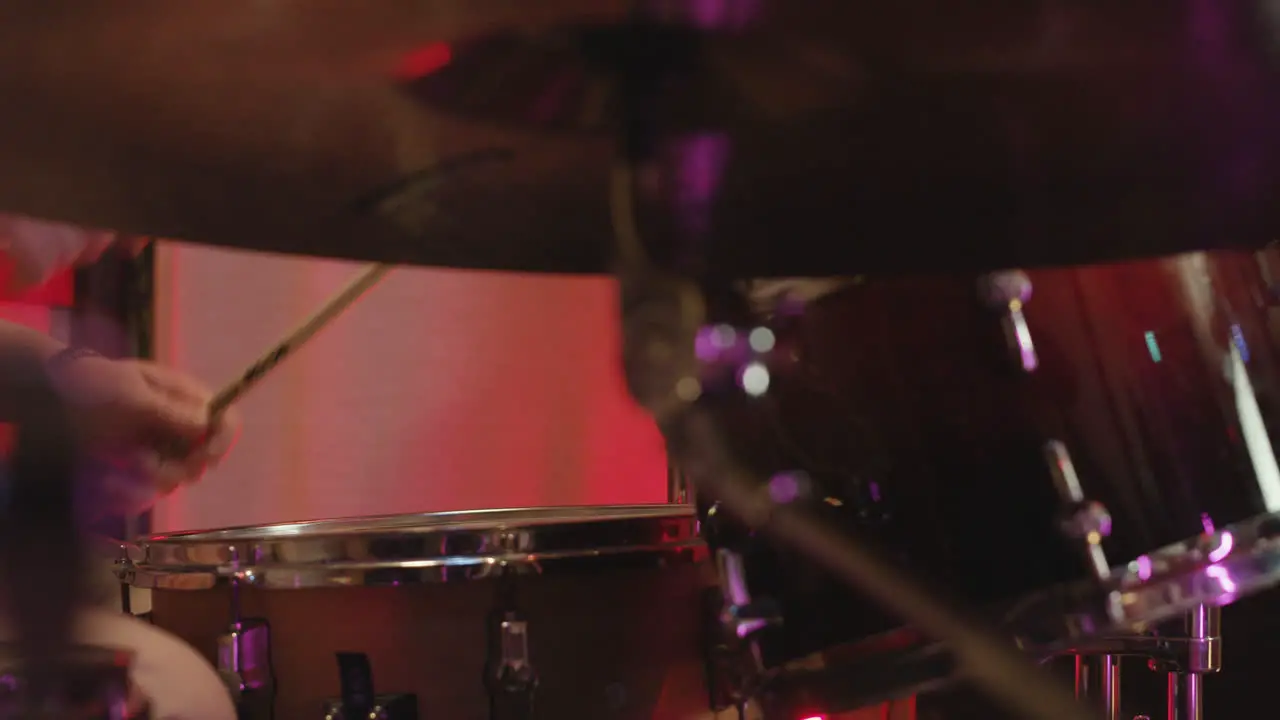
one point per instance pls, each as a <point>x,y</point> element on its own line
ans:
<point>1079,451</point>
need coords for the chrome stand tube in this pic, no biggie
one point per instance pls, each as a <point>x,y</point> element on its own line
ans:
<point>1204,629</point>
<point>1098,682</point>
<point>1111,687</point>
<point>1192,709</point>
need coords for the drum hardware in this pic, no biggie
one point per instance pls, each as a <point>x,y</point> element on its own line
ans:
<point>1009,291</point>
<point>1087,523</point>
<point>1185,659</point>
<point>244,662</point>
<point>1106,669</point>
<point>742,616</point>
<point>510,677</point>
<point>736,671</point>
<point>244,658</point>
<point>728,686</point>
<point>358,699</point>
<point>1204,628</point>
<point>663,315</point>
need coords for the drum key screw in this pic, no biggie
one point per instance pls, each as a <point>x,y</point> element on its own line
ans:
<point>1009,292</point>
<point>1086,522</point>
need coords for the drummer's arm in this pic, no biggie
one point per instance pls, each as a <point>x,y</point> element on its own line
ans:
<point>15,338</point>
<point>20,337</point>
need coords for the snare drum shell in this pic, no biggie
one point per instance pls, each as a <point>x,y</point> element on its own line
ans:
<point>611,635</point>
<point>603,645</point>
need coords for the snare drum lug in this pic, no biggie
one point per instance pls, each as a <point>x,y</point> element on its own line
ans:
<point>511,679</point>
<point>244,662</point>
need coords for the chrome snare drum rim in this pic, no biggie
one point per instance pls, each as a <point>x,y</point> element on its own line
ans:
<point>417,549</point>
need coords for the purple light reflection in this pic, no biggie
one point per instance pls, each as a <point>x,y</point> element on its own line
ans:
<point>699,162</point>
<point>1219,573</point>
<point>1206,522</point>
<point>1223,549</point>
<point>1144,567</point>
<point>724,14</point>
<point>784,488</point>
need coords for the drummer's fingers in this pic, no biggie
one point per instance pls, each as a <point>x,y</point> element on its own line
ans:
<point>223,432</point>
<point>164,473</point>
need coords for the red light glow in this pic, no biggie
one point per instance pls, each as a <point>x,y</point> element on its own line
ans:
<point>424,61</point>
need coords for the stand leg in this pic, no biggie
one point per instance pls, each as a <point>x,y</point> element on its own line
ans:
<point>1192,697</point>
<point>1111,687</point>
<point>1099,678</point>
<point>1204,655</point>
<point>1204,626</point>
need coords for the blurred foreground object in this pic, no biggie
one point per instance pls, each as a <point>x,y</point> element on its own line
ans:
<point>38,250</point>
<point>797,138</point>
<point>40,550</point>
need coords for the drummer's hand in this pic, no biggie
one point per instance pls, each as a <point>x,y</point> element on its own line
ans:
<point>136,414</point>
<point>40,249</point>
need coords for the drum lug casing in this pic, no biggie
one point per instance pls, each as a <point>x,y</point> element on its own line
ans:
<point>510,677</point>
<point>244,662</point>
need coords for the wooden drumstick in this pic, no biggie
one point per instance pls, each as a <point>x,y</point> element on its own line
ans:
<point>336,305</point>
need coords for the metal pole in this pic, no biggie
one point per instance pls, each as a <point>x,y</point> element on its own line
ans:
<point>1203,628</point>
<point>1111,687</point>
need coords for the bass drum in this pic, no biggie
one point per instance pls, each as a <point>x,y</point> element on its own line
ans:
<point>956,421</point>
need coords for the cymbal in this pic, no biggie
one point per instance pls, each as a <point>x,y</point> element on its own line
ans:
<point>784,138</point>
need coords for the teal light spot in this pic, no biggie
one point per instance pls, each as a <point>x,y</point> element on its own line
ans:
<point>1152,346</point>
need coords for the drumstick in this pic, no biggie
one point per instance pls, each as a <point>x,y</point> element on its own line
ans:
<point>339,303</point>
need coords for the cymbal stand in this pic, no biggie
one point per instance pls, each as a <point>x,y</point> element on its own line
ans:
<point>1203,656</point>
<point>1186,660</point>
<point>1098,679</point>
<point>662,315</point>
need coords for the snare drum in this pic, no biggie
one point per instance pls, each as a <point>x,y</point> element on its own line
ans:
<point>585,612</point>
<point>987,432</point>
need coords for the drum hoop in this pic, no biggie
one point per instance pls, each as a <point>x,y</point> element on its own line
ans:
<point>416,549</point>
